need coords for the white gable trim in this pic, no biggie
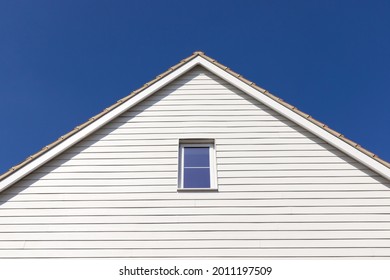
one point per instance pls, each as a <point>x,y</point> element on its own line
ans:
<point>323,134</point>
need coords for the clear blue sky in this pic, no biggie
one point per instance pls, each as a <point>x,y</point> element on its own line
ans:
<point>62,62</point>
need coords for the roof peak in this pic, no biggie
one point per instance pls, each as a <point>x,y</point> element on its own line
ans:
<point>198,53</point>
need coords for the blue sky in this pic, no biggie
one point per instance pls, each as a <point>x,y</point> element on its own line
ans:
<point>62,62</point>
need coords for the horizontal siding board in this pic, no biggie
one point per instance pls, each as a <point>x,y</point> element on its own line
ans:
<point>199,81</point>
<point>288,166</point>
<point>265,156</point>
<point>300,180</point>
<point>198,101</point>
<point>202,219</point>
<point>27,189</point>
<point>77,189</point>
<point>181,86</point>
<point>199,129</point>
<point>93,183</point>
<point>174,161</point>
<point>222,174</point>
<point>277,153</point>
<point>202,124</point>
<point>108,168</point>
<point>203,90</point>
<point>266,141</point>
<point>112,162</point>
<point>191,107</point>
<point>131,244</point>
<point>172,91</point>
<point>344,243</point>
<point>291,160</point>
<point>293,173</point>
<point>126,149</point>
<point>106,175</point>
<point>275,210</point>
<point>204,253</point>
<point>221,147</point>
<point>195,95</point>
<point>177,244</point>
<point>235,235</point>
<point>220,154</point>
<point>239,203</point>
<point>193,135</point>
<point>116,155</point>
<point>126,142</point>
<point>194,227</point>
<point>186,226</point>
<point>129,196</point>
<point>173,142</point>
<point>151,167</point>
<point>319,187</point>
<point>191,111</point>
<point>197,118</point>
<point>280,147</point>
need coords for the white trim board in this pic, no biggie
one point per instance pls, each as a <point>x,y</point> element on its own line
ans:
<point>198,60</point>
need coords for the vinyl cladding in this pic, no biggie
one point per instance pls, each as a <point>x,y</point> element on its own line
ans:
<point>282,192</point>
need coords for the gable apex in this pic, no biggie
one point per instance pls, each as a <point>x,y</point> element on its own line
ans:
<point>198,58</point>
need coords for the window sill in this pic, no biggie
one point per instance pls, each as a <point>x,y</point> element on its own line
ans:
<point>197,190</point>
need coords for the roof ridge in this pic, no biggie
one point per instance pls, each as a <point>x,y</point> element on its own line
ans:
<point>162,75</point>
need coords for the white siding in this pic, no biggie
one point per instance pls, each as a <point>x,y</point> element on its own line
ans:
<point>282,191</point>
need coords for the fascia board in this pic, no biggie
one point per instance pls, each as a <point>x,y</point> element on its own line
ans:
<point>67,143</point>
<point>291,115</point>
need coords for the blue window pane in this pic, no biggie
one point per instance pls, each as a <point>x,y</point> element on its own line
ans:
<point>196,157</point>
<point>196,178</point>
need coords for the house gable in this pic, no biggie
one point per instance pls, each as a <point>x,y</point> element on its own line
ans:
<point>282,190</point>
<point>117,188</point>
<point>197,105</point>
<point>198,58</point>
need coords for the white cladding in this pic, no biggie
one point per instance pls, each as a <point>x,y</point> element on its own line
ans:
<point>282,192</point>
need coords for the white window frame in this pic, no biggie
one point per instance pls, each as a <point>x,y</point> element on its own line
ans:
<point>212,163</point>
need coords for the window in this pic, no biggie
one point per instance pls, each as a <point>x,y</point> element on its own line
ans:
<point>196,164</point>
